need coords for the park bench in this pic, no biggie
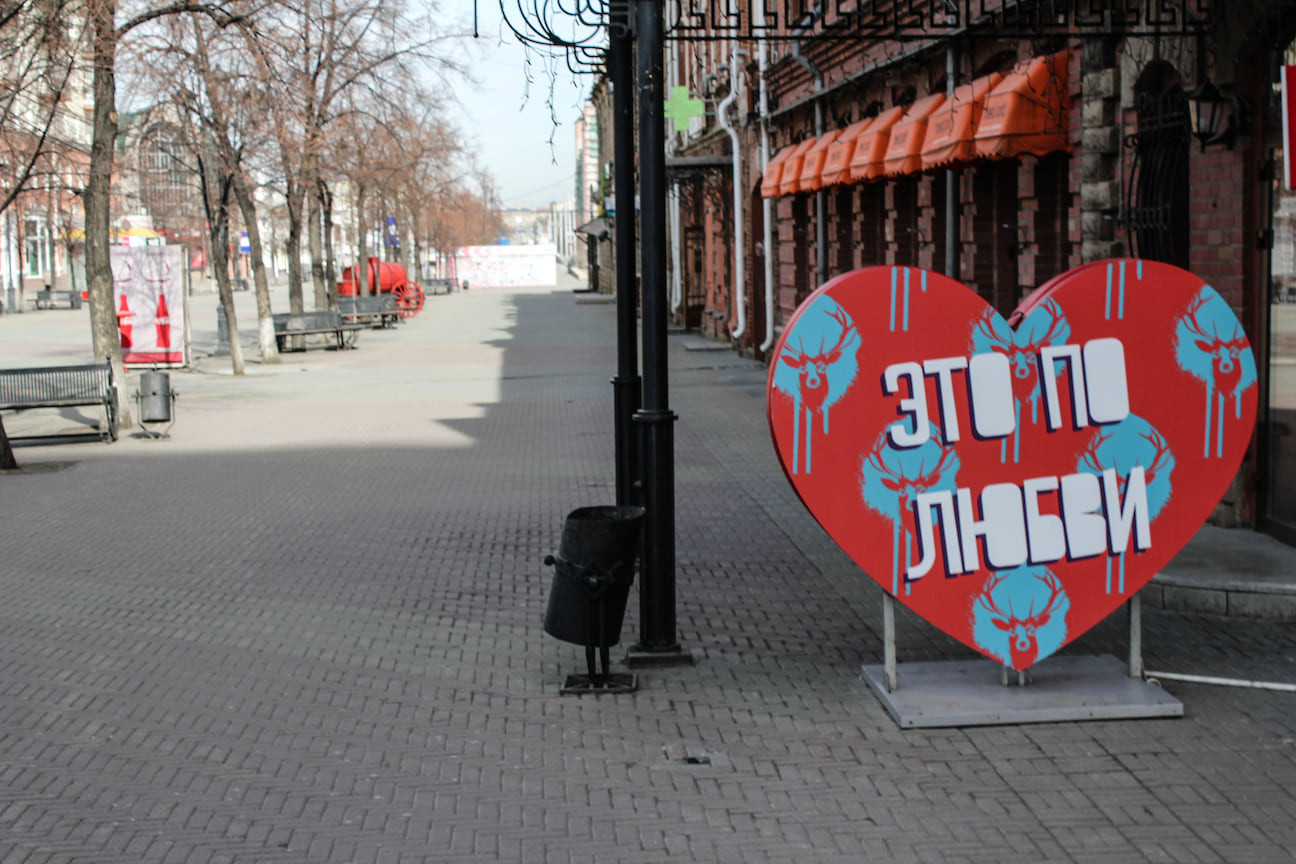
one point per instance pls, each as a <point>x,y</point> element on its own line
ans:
<point>48,298</point>
<point>440,286</point>
<point>321,322</point>
<point>62,387</point>
<point>379,311</point>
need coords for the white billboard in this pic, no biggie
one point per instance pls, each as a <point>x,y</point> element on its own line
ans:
<point>149,298</point>
<point>508,266</point>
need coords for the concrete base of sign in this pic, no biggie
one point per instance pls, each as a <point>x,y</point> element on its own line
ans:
<point>972,693</point>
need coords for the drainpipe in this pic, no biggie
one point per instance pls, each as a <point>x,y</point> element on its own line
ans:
<point>951,185</point>
<point>821,198</point>
<point>677,250</point>
<point>722,117</point>
<point>673,216</point>
<point>767,206</point>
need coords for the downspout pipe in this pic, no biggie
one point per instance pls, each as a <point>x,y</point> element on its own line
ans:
<point>952,227</point>
<point>676,249</point>
<point>722,118</point>
<point>767,206</point>
<point>821,197</point>
<point>673,216</point>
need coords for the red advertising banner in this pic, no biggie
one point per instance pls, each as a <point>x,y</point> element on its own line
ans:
<point>1013,481</point>
<point>148,294</point>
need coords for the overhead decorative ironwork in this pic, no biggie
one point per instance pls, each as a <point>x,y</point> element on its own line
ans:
<point>578,28</point>
<point>917,20</point>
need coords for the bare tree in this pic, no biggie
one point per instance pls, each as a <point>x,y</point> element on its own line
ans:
<point>41,43</point>
<point>206,76</point>
<point>247,206</point>
<point>107,34</point>
<point>318,54</point>
<point>40,48</point>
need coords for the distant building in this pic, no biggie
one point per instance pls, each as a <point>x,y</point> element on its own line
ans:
<point>588,180</point>
<point>45,101</point>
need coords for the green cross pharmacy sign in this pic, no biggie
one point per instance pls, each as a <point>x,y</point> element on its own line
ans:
<point>680,107</point>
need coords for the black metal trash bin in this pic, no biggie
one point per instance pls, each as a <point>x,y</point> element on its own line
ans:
<point>155,397</point>
<point>593,572</point>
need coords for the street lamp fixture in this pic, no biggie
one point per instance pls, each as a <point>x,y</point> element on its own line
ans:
<point>1215,115</point>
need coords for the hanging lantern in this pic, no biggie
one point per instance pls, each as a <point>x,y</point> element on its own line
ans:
<point>1214,116</point>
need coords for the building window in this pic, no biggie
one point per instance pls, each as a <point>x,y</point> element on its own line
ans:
<point>168,185</point>
<point>36,247</point>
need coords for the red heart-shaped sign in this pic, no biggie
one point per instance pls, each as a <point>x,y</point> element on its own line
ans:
<point>1013,485</point>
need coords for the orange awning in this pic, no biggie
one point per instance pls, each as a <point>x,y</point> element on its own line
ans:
<point>951,127</point>
<point>871,146</point>
<point>1027,111</point>
<point>774,173</point>
<point>812,166</point>
<point>904,152</point>
<point>836,168</point>
<point>791,182</point>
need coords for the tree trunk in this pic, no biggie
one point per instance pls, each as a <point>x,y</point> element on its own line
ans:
<point>104,336</point>
<point>265,329</point>
<point>326,212</point>
<point>362,250</point>
<point>7,460</point>
<point>316,250</point>
<point>293,247</point>
<point>220,237</point>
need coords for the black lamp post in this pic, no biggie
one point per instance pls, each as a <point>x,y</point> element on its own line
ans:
<point>658,643</point>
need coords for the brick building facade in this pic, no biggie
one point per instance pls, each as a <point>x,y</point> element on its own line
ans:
<point>1114,170</point>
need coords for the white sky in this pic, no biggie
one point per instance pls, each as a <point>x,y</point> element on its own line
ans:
<point>510,122</point>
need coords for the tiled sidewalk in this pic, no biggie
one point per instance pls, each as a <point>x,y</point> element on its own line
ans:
<point>308,629</point>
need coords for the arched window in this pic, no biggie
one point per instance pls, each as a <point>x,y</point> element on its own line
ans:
<point>168,184</point>
<point>1156,202</point>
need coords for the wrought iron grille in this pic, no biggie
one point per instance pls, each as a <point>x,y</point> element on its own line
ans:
<point>929,19</point>
<point>578,28</point>
<point>1156,191</point>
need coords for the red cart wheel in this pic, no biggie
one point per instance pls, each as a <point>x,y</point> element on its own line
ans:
<point>409,299</point>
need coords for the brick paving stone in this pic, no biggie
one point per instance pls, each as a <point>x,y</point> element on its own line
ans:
<point>307,629</point>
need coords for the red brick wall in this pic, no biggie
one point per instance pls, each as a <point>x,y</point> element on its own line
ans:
<point>871,226</point>
<point>1216,225</point>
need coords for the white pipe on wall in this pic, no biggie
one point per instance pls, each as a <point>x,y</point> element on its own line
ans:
<point>673,197</point>
<point>677,254</point>
<point>767,206</point>
<point>722,117</point>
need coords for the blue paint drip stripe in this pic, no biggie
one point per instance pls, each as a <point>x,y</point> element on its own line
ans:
<point>1107,313</point>
<point>1219,431</point>
<point>1210,403</point>
<point>893,298</point>
<point>906,300</point>
<point>1121,312</point>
